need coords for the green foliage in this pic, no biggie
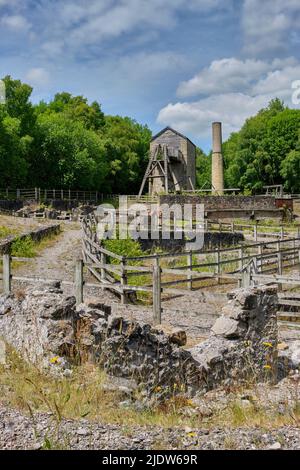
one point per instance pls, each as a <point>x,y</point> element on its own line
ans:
<point>259,154</point>
<point>290,171</point>
<point>203,170</point>
<point>126,146</point>
<point>5,232</point>
<point>127,247</point>
<point>23,247</point>
<point>68,143</point>
<point>67,155</point>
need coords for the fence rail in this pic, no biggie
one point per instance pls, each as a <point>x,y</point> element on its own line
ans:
<point>39,195</point>
<point>259,262</point>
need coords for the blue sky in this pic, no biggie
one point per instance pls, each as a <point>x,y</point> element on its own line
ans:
<point>162,62</point>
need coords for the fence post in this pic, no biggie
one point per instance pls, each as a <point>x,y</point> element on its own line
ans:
<point>282,233</point>
<point>36,194</point>
<point>241,256</point>
<point>246,278</point>
<point>190,265</point>
<point>241,264</point>
<point>102,261</point>
<point>218,260</point>
<point>156,292</point>
<point>123,280</point>
<point>279,258</point>
<point>294,253</point>
<point>6,274</point>
<point>255,231</point>
<point>79,281</point>
<point>260,252</point>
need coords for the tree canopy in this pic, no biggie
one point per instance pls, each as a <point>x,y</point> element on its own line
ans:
<point>68,143</point>
<point>264,151</point>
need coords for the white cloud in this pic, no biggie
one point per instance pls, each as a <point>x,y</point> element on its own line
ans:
<point>97,21</point>
<point>278,82</point>
<point>195,118</point>
<point>37,76</point>
<point>147,65</point>
<point>52,48</point>
<point>238,90</point>
<point>15,23</point>
<point>230,75</point>
<point>267,24</point>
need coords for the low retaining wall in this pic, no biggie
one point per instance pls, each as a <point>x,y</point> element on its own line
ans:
<point>11,205</point>
<point>211,240</point>
<point>230,207</point>
<point>14,205</point>
<point>36,235</point>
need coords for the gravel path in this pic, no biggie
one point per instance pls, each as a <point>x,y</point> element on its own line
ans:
<point>20,432</point>
<point>58,262</point>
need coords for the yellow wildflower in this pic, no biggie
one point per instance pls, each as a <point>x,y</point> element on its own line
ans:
<point>55,360</point>
<point>267,366</point>
<point>268,345</point>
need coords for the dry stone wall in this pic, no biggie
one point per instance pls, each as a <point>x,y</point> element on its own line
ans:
<point>47,329</point>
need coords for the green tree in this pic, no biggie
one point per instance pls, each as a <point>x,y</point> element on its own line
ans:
<point>127,145</point>
<point>75,108</point>
<point>18,105</point>
<point>203,169</point>
<point>290,171</point>
<point>254,155</point>
<point>68,155</point>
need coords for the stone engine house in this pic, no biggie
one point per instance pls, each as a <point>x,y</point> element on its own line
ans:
<point>172,163</point>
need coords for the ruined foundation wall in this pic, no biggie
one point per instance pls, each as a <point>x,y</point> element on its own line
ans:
<point>42,324</point>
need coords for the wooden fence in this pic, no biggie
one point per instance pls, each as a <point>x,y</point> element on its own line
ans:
<point>262,262</point>
<point>255,230</point>
<point>39,195</point>
<point>264,267</point>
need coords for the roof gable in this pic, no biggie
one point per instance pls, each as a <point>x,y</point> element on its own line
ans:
<point>174,131</point>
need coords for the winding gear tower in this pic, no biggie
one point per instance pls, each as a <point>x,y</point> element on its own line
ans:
<point>172,164</point>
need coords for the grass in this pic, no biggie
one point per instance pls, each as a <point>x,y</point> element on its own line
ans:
<point>23,247</point>
<point>6,232</point>
<point>83,395</point>
<point>80,396</point>
<point>28,248</point>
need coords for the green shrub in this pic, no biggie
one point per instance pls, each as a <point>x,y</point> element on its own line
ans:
<point>5,232</point>
<point>127,247</point>
<point>23,247</point>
